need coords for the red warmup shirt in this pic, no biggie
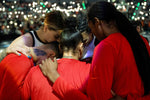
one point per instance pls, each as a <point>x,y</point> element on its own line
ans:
<point>13,69</point>
<point>113,67</point>
<point>38,87</point>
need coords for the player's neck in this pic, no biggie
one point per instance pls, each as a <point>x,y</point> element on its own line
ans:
<point>70,55</point>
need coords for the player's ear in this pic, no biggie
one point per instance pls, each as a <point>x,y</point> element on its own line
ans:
<point>51,54</point>
<point>45,28</point>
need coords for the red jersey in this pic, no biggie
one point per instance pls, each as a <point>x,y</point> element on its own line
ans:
<point>73,75</point>
<point>113,68</point>
<point>13,69</point>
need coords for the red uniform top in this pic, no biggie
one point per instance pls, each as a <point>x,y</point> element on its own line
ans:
<point>113,67</point>
<point>13,69</point>
<point>74,72</point>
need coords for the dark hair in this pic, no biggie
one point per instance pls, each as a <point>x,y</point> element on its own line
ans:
<point>83,24</point>
<point>106,11</point>
<point>136,23</point>
<point>55,47</point>
<point>55,18</point>
<point>69,39</point>
<point>71,23</point>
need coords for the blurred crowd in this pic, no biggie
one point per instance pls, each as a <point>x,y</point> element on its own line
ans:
<point>17,18</point>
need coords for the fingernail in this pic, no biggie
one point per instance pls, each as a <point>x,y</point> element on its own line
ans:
<point>29,57</point>
<point>19,54</point>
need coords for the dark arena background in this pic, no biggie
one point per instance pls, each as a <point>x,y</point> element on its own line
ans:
<point>20,16</point>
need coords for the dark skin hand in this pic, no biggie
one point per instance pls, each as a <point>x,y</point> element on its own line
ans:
<point>116,97</point>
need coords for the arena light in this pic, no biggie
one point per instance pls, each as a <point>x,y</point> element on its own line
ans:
<point>145,3</point>
<point>3,9</point>
<point>78,4</point>
<point>138,4</point>
<point>81,9</point>
<point>20,25</point>
<point>115,4</point>
<point>70,2</point>
<point>83,4</point>
<point>11,22</point>
<point>113,0</point>
<point>143,18</point>
<point>43,15</point>
<point>22,12</point>
<point>29,4</point>
<point>12,7</point>
<point>108,0</point>
<point>46,3</point>
<point>73,3</point>
<point>17,16</point>
<point>18,12</point>
<point>7,26</point>
<point>132,17</point>
<point>15,24</point>
<point>15,12</point>
<point>133,6</point>
<point>9,16</point>
<point>146,14</point>
<point>141,12</point>
<point>64,3</point>
<point>35,17</point>
<point>74,15</point>
<point>25,16</point>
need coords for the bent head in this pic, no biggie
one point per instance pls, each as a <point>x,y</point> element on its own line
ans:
<point>45,51</point>
<point>71,40</point>
<point>99,14</point>
<point>85,30</point>
<point>54,23</point>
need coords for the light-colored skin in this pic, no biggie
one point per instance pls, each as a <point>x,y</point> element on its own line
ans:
<point>49,66</point>
<point>22,43</point>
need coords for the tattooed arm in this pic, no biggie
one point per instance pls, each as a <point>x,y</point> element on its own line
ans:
<point>3,55</point>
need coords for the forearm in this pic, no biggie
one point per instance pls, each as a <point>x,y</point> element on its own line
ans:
<point>53,77</point>
<point>3,55</point>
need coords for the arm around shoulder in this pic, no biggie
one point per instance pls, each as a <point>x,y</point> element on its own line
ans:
<point>21,44</point>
